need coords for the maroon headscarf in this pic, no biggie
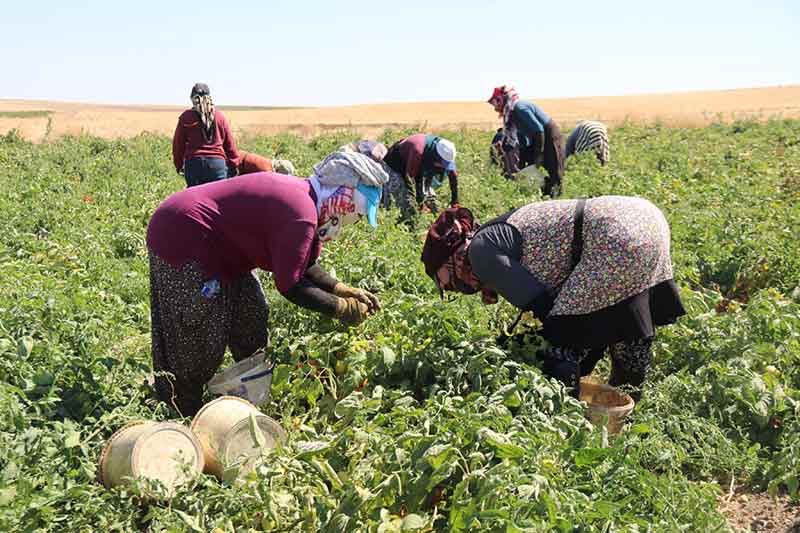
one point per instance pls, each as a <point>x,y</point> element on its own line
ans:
<point>447,233</point>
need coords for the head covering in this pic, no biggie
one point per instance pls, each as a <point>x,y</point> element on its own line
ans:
<point>496,93</point>
<point>508,99</point>
<point>351,168</point>
<point>283,166</point>
<point>448,232</point>
<point>200,89</point>
<point>340,205</point>
<point>367,199</point>
<point>377,151</point>
<point>446,151</point>
<point>357,179</point>
<point>337,208</point>
<point>204,107</point>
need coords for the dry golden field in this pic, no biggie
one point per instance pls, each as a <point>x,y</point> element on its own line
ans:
<point>689,108</point>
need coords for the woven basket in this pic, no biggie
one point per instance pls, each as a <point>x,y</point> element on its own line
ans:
<point>605,404</point>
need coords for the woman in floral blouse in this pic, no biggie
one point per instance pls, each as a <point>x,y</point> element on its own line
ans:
<point>596,272</point>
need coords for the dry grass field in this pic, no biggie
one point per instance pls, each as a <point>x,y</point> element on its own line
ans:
<point>37,120</point>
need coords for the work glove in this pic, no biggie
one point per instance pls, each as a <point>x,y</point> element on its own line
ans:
<point>343,290</point>
<point>351,311</point>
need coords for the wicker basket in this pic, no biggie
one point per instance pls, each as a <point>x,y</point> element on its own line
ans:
<point>605,404</point>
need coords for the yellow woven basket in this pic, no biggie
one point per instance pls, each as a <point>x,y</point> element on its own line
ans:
<point>605,404</point>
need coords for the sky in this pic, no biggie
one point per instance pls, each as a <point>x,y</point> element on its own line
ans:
<point>321,53</point>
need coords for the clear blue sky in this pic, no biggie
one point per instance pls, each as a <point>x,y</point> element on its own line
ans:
<point>276,52</point>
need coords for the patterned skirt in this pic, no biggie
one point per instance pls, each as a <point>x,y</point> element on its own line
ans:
<point>190,331</point>
<point>623,284</point>
<point>395,191</point>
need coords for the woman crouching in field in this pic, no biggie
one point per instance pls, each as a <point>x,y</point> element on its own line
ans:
<point>203,243</point>
<point>589,136</point>
<point>418,165</point>
<point>596,272</point>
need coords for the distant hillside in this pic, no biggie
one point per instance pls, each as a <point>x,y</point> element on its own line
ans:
<point>38,119</point>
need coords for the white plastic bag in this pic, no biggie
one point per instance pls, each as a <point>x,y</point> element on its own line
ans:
<point>532,173</point>
<point>250,379</point>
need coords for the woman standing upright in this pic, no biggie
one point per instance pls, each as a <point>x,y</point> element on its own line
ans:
<point>531,137</point>
<point>203,146</point>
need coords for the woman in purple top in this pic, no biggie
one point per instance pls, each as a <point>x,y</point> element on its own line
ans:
<point>596,272</point>
<point>203,146</point>
<point>203,244</point>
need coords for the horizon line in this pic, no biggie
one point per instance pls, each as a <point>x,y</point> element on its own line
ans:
<point>259,107</point>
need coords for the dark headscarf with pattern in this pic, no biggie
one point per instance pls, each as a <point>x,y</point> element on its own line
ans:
<point>450,230</point>
<point>204,107</point>
<point>453,228</point>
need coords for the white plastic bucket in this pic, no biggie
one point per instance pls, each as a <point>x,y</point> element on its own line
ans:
<point>233,434</point>
<point>158,451</point>
<point>249,379</point>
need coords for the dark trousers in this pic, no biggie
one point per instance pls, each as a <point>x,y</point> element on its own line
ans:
<point>552,159</point>
<point>630,361</point>
<point>200,170</point>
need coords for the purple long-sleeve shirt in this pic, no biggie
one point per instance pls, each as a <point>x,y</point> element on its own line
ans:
<point>188,141</point>
<point>263,220</point>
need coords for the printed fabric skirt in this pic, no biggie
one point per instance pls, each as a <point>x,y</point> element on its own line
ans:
<point>631,319</point>
<point>395,191</point>
<point>190,331</point>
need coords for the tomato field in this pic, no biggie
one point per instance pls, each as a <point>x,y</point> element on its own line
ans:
<point>415,420</point>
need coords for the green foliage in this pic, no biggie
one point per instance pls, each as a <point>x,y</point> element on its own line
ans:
<point>415,420</point>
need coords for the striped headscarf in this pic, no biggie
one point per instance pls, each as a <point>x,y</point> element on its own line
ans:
<point>204,107</point>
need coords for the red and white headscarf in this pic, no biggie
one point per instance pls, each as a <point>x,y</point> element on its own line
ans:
<point>508,98</point>
<point>338,208</point>
<point>446,247</point>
